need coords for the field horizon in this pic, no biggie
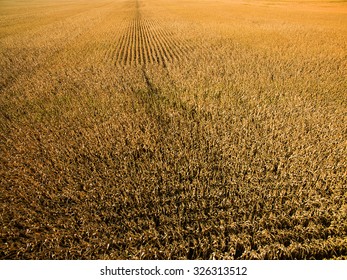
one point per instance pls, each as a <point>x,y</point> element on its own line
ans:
<point>168,129</point>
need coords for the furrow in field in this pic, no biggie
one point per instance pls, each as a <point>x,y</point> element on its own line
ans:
<point>110,51</point>
<point>165,56</point>
<point>139,41</point>
<point>164,48</point>
<point>176,46</point>
<point>145,59</point>
<point>145,41</point>
<point>155,43</point>
<point>120,50</point>
<point>180,44</point>
<point>138,59</point>
<point>122,37</point>
<point>114,33</point>
<point>134,43</point>
<point>132,57</point>
<point>168,47</point>
<point>131,43</point>
<point>151,52</point>
<point>127,46</point>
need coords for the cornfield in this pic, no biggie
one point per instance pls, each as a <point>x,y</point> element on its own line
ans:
<point>173,129</point>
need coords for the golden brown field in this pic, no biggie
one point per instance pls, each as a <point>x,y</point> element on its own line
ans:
<point>168,129</point>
